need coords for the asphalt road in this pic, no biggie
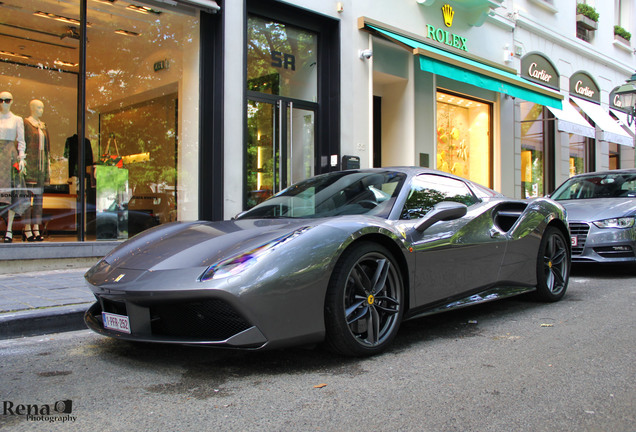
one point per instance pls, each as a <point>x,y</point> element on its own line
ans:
<point>513,365</point>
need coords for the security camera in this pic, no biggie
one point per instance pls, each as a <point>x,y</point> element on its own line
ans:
<point>365,54</point>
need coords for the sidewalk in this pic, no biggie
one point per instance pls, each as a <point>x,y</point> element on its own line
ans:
<point>51,301</point>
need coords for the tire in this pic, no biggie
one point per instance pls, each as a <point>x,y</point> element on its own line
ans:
<point>364,303</point>
<point>553,266</point>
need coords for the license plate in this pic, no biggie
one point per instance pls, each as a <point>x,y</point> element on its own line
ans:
<point>575,241</point>
<point>116,322</point>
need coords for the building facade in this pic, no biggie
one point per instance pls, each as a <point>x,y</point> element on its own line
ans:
<point>201,109</point>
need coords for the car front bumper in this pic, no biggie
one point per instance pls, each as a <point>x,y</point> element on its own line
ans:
<point>590,243</point>
<point>197,321</point>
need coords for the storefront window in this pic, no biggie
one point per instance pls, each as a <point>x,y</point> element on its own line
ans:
<point>38,81</point>
<point>463,137</point>
<point>614,156</point>
<point>577,154</point>
<point>583,147</point>
<point>532,150</point>
<point>141,146</point>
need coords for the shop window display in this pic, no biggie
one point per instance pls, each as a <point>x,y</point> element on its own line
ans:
<point>577,154</point>
<point>141,118</point>
<point>464,145</point>
<point>614,156</point>
<point>532,150</point>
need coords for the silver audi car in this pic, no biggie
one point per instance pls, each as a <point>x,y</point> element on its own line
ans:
<point>601,209</point>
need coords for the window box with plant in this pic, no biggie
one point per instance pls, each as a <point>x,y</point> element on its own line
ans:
<point>622,35</point>
<point>586,16</point>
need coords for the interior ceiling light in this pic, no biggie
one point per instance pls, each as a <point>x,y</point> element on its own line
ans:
<point>59,18</point>
<point>143,9</point>
<point>64,63</point>
<point>12,54</point>
<point>106,1</point>
<point>127,32</point>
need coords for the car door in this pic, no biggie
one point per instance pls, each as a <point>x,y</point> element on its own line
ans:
<point>452,257</point>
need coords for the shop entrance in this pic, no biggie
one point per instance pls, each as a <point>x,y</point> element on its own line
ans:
<point>280,145</point>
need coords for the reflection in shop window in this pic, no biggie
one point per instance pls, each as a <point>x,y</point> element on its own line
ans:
<point>463,138</point>
<point>142,98</point>
<point>282,59</point>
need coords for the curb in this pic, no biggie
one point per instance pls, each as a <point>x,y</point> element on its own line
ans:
<point>43,321</point>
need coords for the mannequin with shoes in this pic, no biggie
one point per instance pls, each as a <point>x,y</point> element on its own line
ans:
<point>12,154</point>
<point>37,140</point>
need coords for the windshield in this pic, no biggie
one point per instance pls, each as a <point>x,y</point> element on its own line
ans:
<point>609,185</point>
<point>334,194</point>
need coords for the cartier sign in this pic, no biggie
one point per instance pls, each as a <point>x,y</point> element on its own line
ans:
<point>615,101</point>
<point>537,68</point>
<point>582,85</point>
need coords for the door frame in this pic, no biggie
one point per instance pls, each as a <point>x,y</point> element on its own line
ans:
<point>281,173</point>
<point>327,108</point>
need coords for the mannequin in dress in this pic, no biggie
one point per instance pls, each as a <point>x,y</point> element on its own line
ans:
<point>38,148</point>
<point>12,150</point>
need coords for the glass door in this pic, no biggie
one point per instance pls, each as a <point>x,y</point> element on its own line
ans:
<point>280,147</point>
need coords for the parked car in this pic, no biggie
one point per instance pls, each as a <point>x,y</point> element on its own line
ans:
<point>601,209</point>
<point>342,258</point>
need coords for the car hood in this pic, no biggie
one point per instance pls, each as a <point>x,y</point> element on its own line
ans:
<point>599,208</point>
<point>198,244</point>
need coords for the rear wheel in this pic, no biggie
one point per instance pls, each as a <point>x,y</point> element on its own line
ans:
<point>553,266</point>
<point>363,308</point>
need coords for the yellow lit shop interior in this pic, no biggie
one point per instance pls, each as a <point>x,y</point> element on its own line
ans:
<point>463,137</point>
<point>142,99</point>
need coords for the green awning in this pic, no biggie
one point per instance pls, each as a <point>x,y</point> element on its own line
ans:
<point>459,68</point>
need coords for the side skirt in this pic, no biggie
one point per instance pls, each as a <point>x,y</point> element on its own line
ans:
<point>487,295</point>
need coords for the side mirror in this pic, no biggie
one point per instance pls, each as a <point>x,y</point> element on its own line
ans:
<point>239,215</point>
<point>442,211</point>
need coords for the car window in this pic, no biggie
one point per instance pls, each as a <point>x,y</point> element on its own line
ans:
<point>334,194</point>
<point>613,185</point>
<point>429,189</point>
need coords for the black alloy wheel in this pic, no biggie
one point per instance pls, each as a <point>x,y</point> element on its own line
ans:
<point>553,266</point>
<point>363,309</point>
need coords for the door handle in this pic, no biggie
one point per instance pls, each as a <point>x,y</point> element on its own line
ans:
<point>291,144</point>
<point>280,146</point>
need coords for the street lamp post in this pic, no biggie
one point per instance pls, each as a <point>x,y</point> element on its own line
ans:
<point>627,97</point>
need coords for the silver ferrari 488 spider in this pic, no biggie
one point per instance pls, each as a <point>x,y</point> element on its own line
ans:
<point>341,258</point>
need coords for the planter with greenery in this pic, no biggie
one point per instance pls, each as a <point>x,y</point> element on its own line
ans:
<point>586,16</point>
<point>622,35</point>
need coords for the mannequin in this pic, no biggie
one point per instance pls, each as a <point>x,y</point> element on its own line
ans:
<point>38,148</point>
<point>12,150</point>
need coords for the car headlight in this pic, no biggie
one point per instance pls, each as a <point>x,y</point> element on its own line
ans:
<point>239,263</point>
<point>624,222</point>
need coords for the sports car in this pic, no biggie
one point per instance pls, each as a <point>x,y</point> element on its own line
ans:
<point>601,209</point>
<point>341,258</point>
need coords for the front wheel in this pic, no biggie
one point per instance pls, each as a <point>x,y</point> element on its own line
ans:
<point>553,266</point>
<point>364,303</point>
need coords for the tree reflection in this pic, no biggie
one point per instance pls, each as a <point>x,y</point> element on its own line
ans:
<point>421,201</point>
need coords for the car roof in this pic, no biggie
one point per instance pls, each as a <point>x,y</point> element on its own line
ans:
<point>606,172</point>
<point>412,171</point>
